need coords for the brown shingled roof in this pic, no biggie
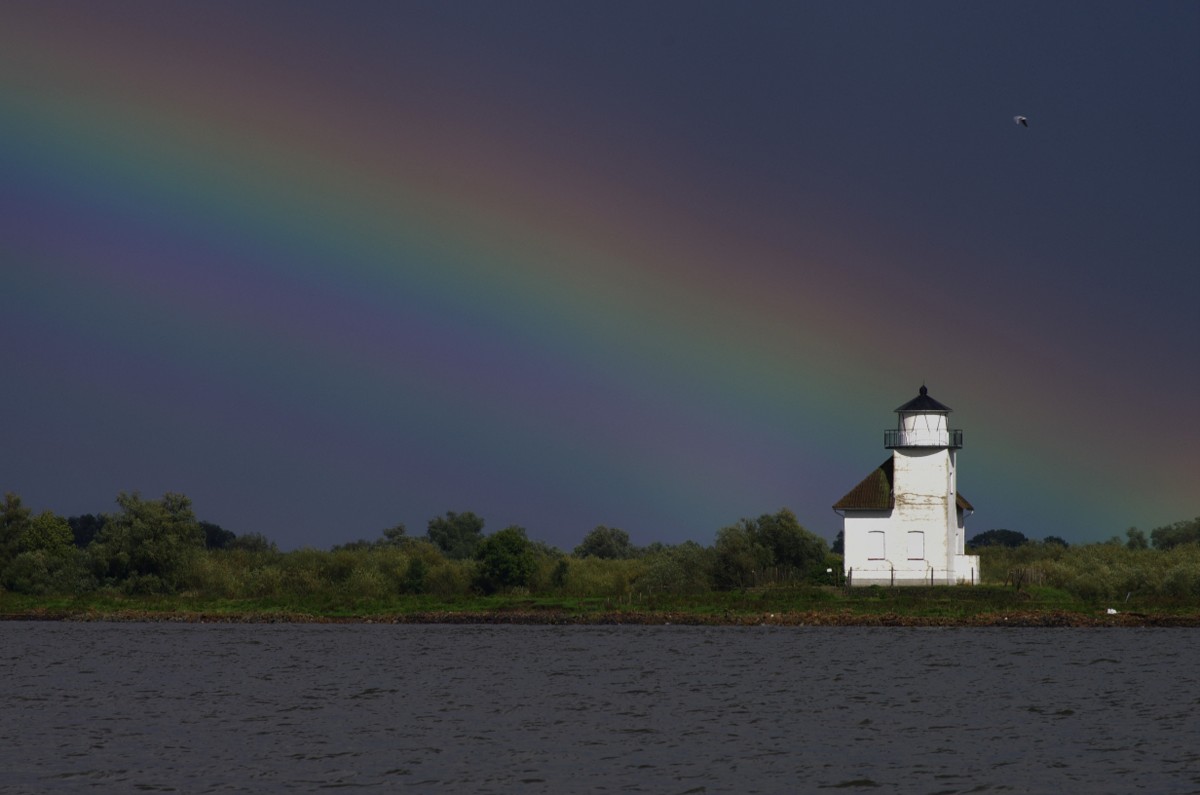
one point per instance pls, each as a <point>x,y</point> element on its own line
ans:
<point>874,493</point>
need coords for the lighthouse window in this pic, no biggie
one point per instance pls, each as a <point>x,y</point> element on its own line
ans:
<point>916,545</point>
<point>875,546</point>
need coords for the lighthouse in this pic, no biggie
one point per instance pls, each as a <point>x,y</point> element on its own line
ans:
<point>904,523</point>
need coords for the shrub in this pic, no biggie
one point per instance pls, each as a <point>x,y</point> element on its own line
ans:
<point>150,543</point>
<point>771,548</point>
<point>606,542</point>
<point>682,569</point>
<point>506,560</point>
<point>450,578</point>
<point>212,575</point>
<point>1182,580</point>
<point>29,572</point>
<point>414,576</point>
<point>600,577</point>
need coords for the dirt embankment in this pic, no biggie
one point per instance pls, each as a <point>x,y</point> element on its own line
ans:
<point>1029,618</point>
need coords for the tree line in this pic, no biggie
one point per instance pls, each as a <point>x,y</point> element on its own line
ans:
<point>1161,538</point>
<point>1163,563</point>
<point>159,546</point>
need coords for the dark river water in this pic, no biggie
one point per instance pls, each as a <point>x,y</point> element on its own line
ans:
<point>503,709</point>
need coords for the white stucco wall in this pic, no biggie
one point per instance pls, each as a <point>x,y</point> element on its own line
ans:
<point>856,530</point>
<point>925,487</point>
<point>923,484</point>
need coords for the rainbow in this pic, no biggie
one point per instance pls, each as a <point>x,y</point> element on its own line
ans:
<point>497,320</point>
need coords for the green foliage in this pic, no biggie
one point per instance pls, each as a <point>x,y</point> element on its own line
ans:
<point>392,537</point>
<point>998,561</point>
<point>85,528</point>
<point>216,537</point>
<point>456,534</point>
<point>450,578</point>
<point>600,577</point>
<point>420,548</point>
<point>772,548</point>
<point>253,542</point>
<point>1173,535</point>
<point>149,544</point>
<point>41,572</point>
<point>38,554</point>
<point>740,561</point>
<point>47,533</point>
<point>396,536</point>
<point>1098,572</point>
<point>682,569</point>
<point>1181,577</point>
<point>14,521</point>
<point>558,577</point>
<point>29,572</point>
<point>997,538</point>
<point>793,548</point>
<point>154,547</point>
<point>414,575</point>
<point>1136,539</point>
<point>506,560</point>
<point>608,543</point>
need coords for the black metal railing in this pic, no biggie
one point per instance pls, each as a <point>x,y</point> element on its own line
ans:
<point>896,438</point>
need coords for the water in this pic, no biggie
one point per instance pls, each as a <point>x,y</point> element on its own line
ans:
<point>300,708</point>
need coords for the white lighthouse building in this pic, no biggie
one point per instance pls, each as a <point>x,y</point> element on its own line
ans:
<point>903,524</point>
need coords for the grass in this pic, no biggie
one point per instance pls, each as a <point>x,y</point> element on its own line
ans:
<point>937,605</point>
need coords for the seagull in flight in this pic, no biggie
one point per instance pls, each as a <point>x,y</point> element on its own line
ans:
<point>1021,120</point>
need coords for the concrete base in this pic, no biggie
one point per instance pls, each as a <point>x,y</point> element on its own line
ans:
<point>864,577</point>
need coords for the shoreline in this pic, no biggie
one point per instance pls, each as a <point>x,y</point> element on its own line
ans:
<point>1023,618</point>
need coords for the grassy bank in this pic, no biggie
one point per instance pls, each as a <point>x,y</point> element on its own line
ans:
<point>806,605</point>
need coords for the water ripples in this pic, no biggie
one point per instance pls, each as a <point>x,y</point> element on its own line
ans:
<point>300,708</point>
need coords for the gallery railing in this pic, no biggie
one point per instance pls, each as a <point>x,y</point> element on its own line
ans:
<point>952,437</point>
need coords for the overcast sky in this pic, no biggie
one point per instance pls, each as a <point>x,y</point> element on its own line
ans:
<point>330,267</point>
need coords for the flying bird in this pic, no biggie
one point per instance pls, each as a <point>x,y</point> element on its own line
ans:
<point>1021,120</point>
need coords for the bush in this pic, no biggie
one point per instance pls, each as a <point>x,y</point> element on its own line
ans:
<point>414,576</point>
<point>150,543</point>
<point>40,572</point>
<point>506,560</point>
<point>1097,572</point>
<point>606,542</point>
<point>772,548</point>
<point>212,575</point>
<point>1173,535</point>
<point>458,535</point>
<point>599,577</point>
<point>368,582</point>
<point>682,569</point>
<point>451,578</point>
<point>1182,580</point>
